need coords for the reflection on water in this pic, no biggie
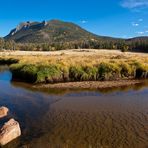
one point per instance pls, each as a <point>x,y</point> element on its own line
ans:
<point>105,118</point>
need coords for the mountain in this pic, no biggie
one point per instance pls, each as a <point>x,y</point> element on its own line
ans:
<point>138,44</point>
<point>140,38</point>
<point>1,38</point>
<point>50,31</point>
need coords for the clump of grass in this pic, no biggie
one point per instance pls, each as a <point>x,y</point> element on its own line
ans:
<point>65,72</point>
<point>141,71</point>
<point>108,71</point>
<point>29,73</point>
<point>49,74</point>
<point>91,72</point>
<point>37,73</point>
<point>16,70</point>
<point>76,73</point>
<point>8,61</point>
<point>24,72</point>
<point>125,70</point>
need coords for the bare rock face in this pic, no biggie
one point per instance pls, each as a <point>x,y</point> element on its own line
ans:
<point>3,111</point>
<point>9,131</point>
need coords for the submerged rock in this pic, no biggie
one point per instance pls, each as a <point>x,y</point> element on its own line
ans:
<point>9,131</point>
<point>3,111</point>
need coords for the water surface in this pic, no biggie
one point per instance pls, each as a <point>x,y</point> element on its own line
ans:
<point>108,118</point>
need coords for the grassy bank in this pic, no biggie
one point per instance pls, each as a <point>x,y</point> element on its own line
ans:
<point>57,73</point>
<point>83,66</point>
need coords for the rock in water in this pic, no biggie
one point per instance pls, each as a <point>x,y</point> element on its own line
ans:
<point>3,111</point>
<point>9,131</point>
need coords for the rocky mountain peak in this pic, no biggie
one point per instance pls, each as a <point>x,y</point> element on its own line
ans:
<point>27,25</point>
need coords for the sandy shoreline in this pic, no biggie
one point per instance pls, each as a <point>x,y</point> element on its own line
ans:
<point>91,84</point>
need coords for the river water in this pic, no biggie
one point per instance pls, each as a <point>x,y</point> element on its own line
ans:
<point>108,118</point>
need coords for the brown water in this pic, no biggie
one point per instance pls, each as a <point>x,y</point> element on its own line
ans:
<point>116,118</point>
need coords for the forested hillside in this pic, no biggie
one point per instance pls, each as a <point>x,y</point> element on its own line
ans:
<point>57,35</point>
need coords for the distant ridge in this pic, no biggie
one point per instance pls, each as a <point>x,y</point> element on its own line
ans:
<point>140,38</point>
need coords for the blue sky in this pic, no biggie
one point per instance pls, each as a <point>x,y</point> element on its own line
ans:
<point>117,18</point>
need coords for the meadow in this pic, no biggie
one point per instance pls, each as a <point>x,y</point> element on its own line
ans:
<point>76,65</point>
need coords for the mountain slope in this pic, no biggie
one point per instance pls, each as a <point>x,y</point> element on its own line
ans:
<point>51,31</point>
<point>140,38</point>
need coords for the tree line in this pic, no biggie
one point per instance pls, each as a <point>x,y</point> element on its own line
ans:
<point>139,45</point>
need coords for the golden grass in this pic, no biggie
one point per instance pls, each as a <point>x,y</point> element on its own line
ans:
<point>85,65</point>
<point>84,58</point>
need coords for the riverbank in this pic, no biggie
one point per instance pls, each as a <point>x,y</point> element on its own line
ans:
<point>90,84</point>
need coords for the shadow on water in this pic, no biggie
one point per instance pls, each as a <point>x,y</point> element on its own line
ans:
<point>107,118</point>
